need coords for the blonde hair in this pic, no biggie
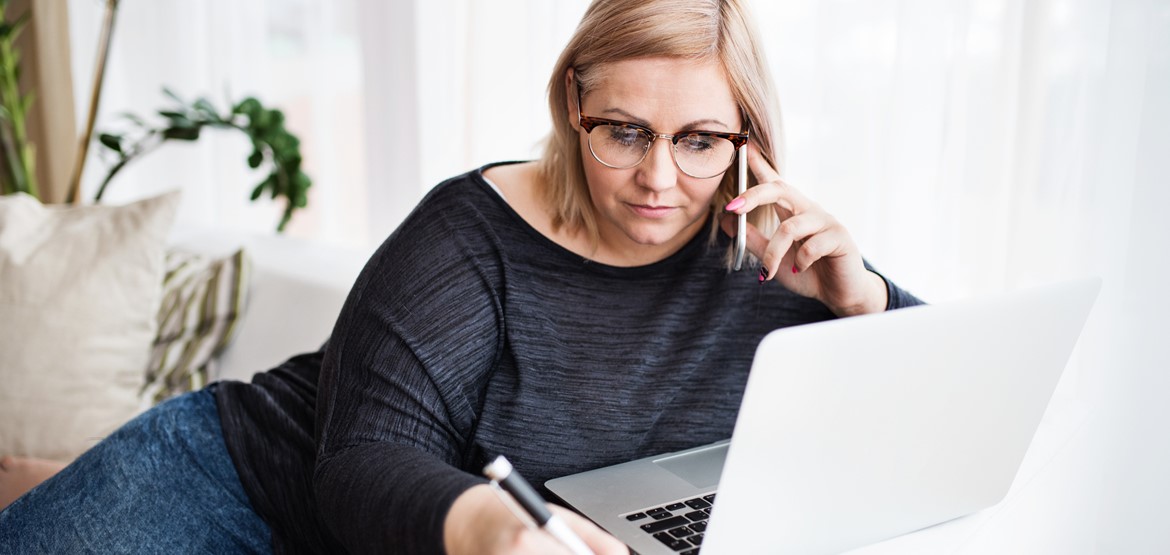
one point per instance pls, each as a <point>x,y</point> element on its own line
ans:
<point>616,30</point>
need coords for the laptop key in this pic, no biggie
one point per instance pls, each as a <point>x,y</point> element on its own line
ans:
<point>674,506</point>
<point>699,526</point>
<point>696,539</point>
<point>690,552</point>
<point>660,516</point>
<point>656,510</point>
<point>682,532</point>
<point>635,516</point>
<point>698,504</point>
<point>696,516</point>
<point>709,498</point>
<point>662,525</point>
<point>672,542</point>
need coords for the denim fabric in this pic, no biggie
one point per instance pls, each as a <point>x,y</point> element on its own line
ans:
<point>163,483</point>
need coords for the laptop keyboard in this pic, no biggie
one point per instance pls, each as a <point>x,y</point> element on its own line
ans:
<point>680,525</point>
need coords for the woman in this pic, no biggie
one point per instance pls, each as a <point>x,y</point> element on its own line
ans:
<point>570,313</point>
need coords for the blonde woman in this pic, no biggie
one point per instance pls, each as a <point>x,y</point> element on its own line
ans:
<point>571,313</point>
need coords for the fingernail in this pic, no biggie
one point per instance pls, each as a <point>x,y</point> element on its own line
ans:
<point>795,270</point>
<point>763,274</point>
<point>734,205</point>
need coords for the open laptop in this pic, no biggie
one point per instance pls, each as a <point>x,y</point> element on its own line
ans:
<point>854,431</point>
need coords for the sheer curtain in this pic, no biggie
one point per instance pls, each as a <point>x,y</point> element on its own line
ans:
<point>971,146</point>
<point>974,146</point>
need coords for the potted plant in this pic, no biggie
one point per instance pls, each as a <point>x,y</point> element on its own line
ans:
<point>272,144</point>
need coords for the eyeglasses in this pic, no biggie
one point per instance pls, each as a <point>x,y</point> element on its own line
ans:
<point>622,145</point>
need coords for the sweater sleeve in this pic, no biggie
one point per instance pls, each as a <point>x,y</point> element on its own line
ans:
<point>399,387</point>
<point>896,297</point>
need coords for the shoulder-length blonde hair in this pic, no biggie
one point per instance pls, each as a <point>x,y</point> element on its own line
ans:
<point>616,30</point>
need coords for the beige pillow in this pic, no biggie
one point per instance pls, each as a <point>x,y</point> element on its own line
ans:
<point>79,295</point>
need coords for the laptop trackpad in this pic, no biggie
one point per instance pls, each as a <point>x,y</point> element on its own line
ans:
<point>700,468</point>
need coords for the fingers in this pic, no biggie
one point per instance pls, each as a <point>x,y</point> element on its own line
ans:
<point>769,190</point>
<point>816,235</point>
<point>760,167</point>
<point>829,244</point>
<point>757,242</point>
<point>788,233</point>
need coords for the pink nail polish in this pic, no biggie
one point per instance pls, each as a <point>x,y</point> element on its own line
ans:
<point>763,274</point>
<point>795,270</point>
<point>734,205</point>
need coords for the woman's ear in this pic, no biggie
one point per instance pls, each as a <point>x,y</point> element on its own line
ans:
<point>572,98</point>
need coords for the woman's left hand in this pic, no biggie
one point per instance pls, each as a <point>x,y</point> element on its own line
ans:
<point>810,253</point>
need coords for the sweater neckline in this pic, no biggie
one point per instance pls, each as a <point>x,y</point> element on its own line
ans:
<point>684,254</point>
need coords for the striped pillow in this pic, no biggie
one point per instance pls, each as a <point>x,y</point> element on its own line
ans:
<point>203,299</point>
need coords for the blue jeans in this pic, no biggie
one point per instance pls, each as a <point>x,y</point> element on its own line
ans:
<point>163,483</point>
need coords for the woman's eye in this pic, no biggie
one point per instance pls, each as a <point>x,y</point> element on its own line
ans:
<point>623,135</point>
<point>697,143</point>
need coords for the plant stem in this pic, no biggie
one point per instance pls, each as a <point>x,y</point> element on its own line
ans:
<point>151,141</point>
<point>99,73</point>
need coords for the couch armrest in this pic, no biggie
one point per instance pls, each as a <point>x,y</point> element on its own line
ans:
<point>296,292</point>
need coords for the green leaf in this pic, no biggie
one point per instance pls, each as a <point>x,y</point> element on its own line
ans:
<point>178,119</point>
<point>18,26</point>
<point>167,91</point>
<point>248,106</point>
<point>259,190</point>
<point>284,219</point>
<point>206,106</point>
<point>301,182</point>
<point>182,133</point>
<point>255,159</point>
<point>133,118</point>
<point>112,142</point>
<point>262,119</point>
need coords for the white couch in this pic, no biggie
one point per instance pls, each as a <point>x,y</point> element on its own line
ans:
<point>296,292</point>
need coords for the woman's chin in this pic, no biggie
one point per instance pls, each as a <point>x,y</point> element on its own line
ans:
<point>653,236</point>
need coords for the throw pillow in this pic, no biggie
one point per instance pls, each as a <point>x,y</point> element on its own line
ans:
<point>79,296</point>
<point>203,299</point>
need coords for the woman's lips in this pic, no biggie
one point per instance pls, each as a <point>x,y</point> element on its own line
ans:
<point>653,212</point>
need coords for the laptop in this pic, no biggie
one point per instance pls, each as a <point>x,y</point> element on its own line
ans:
<point>854,431</point>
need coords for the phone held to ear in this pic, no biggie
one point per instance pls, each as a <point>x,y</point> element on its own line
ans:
<point>741,219</point>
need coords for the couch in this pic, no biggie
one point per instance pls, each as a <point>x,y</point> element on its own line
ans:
<point>296,291</point>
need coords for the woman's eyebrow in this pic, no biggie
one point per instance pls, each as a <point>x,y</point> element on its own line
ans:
<point>631,118</point>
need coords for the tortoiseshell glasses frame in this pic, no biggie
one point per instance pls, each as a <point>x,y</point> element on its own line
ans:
<point>588,123</point>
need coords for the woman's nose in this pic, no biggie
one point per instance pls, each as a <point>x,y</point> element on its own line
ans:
<point>658,171</point>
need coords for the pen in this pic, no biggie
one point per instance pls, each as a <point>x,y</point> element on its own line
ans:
<point>500,471</point>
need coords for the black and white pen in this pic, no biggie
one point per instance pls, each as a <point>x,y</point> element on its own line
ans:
<point>501,472</point>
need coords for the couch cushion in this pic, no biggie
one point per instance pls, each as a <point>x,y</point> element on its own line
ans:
<point>79,295</point>
<point>203,300</point>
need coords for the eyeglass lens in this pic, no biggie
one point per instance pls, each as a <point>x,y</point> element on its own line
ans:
<point>700,156</point>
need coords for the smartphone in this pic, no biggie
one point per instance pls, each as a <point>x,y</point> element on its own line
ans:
<point>741,231</point>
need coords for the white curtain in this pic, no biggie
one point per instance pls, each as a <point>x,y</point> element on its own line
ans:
<point>302,57</point>
<point>971,146</point>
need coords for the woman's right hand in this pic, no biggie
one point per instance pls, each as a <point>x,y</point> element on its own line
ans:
<point>480,523</point>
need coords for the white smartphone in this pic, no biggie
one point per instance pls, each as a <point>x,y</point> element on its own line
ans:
<point>741,231</point>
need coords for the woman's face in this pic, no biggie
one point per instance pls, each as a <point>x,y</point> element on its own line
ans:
<point>647,212</point>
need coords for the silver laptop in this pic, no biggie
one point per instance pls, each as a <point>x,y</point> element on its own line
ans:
<point>854,431</point>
